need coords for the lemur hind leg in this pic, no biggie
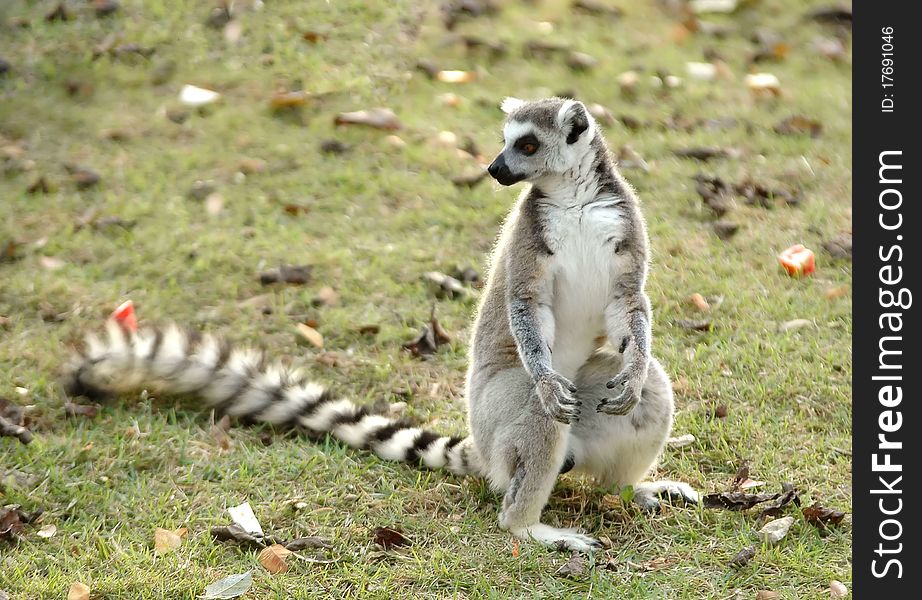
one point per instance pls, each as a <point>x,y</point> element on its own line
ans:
<point>621,450</point>
<point>524,450</point>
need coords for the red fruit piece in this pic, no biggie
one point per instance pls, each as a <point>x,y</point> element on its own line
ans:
<point>798,261</point>
<point>124,314</point>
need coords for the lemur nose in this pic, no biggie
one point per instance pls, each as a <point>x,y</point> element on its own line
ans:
<point>497,166</point>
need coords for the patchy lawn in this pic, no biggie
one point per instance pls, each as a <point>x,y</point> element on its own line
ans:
<point>371,220</point>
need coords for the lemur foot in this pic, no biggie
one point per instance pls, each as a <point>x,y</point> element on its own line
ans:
<point>558,397</point>
<point>561,539</point>
<point>624,402</point>
<point>646,495</point>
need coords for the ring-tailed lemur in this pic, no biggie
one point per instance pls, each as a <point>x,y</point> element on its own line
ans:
<point>560,373</point>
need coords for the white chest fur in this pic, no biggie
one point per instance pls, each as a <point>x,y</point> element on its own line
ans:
<point>585,266</point>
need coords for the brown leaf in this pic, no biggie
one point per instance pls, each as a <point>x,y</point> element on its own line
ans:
<point>694,325</point>
<point>580,61</point>
<point>470,178</point>
<point>72,409</point>
<point>429,339</point>
<point>574,567</point>
<point>799,125</point>
<point>454,11</point>
<point>379,118</point>
<point>705,153</point>
<point>235,533</point>
<point>725,229</point>
<point>597,8</point>
<point>313,37</point>
<point>83,177</point>
<point>821,517</point>
<point>11,523</point>
<point>251,166</point>
<point>715,193</point>
<point>12,422</point>
<point>742,558</point>
<point>389,538</point>
<point>166,540</point>
<point>742,474</point>
<point>273,558</point>
<point>333,147</point>
<point>767,595</point>
<point>736,500</point>
<point>289,99</point>
<point>302,543</point>
<point>698,301</point>
<point>297,274</point>
<point>787,497</point>
<point>39,186</point>
<point>104,8</point>
<point>78,591</point>
<point>58,13</point>
<point>840,246</point>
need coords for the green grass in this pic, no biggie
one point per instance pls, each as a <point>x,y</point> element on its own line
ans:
<point>378,217</point>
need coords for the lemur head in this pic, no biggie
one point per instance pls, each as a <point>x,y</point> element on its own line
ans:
<point>542,138</point>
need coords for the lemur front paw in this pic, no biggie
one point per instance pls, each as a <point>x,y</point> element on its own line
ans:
<point>558,397</point>
<point>624,402</point>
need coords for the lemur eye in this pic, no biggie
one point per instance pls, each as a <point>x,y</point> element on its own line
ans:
<point>529,148</point>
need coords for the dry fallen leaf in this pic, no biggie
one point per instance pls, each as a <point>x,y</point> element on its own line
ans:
<point>429,339</point>
<point>289,99</point>
<point>774,531</point>
<point>456,76</point>
<point>166,540</point>
<point>736,500</point>
<point>698,301</point>
<point>574,567</point>
<point>681,441</point>
<point>767,595</point>
<point>310,335</point>
<point>72,409</point>
<point>743,557</point>
<point>796,324</point>
<point>51,263</point>
<point>763,84</point>
<point>799,125</point>
<point>837,589</point>
<point>326,296</point>
<point>194,96</point>
<point>389,538</point>
<point>297,274</point>
<point>822,517</point>
<point>725,229</point>
<point>379,118</point>
<point>78,591</point>
<point>836,292</point>
<point>232,586</point>
<point>47,531</point>
<point>273,558</point>
<point>839,246</point>
<point>694,325</point>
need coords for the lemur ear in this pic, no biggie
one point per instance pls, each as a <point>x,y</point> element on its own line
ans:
<point>574,119</point>
<point>510,104</point>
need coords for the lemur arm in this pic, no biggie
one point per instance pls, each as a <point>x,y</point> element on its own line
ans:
<point>628,324</point>
<point>531,322</point>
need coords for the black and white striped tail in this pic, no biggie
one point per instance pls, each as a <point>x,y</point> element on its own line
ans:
<point>240,382</point>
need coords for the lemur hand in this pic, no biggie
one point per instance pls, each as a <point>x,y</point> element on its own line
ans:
<point>631,379</point>
<point>557,396</point>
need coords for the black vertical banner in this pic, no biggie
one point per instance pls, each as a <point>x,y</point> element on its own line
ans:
<point>887,60</point>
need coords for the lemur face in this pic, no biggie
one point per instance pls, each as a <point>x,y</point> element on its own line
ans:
<point>542,138</point>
